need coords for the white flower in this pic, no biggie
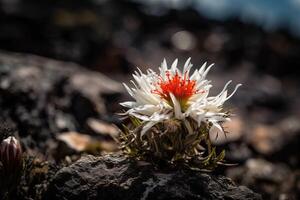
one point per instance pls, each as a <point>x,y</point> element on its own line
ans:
<point>175,94</point>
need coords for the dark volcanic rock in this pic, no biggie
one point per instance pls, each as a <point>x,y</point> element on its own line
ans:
<point>44,97</point>
<point>117,177</point>
<point>272,180</point>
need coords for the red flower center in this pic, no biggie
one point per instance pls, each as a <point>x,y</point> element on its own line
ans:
<point>180,86</point>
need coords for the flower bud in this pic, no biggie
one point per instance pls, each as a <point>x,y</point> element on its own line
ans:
<point>10,155</point>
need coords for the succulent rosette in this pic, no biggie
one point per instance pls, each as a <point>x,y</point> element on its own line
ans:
<point>179,97</point>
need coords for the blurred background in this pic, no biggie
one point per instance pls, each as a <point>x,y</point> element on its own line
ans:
<point>256,43</point>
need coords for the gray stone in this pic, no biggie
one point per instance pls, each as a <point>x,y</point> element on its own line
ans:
<point>117,177</point>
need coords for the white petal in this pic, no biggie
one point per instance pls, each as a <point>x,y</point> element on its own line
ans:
<point>198,116</point>
<point>130,92</point>
<point>174,66</point>
<point>128,104</point>
<point>196,76</point>
<point>207,70</point>
<point>188,126</point>
<point>235,89</point>
<point>216,129</point>
<point>143,98</point>
<point>187,65</point>
<point>147,109</point>
<point>225,87</point>
<point>139,116</point>
<point>147,127</point>
<point>177,107</point>
<point>164,65</point>
<point>163,69</point>
<point>202,68</point>
<point>198,97</point>
<point>220,99</point>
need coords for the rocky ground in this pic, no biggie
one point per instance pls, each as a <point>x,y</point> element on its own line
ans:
<point>61,110</point>
<point>115,177</point>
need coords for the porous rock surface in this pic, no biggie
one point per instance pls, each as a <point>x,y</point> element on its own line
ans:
<point>117,177</point>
